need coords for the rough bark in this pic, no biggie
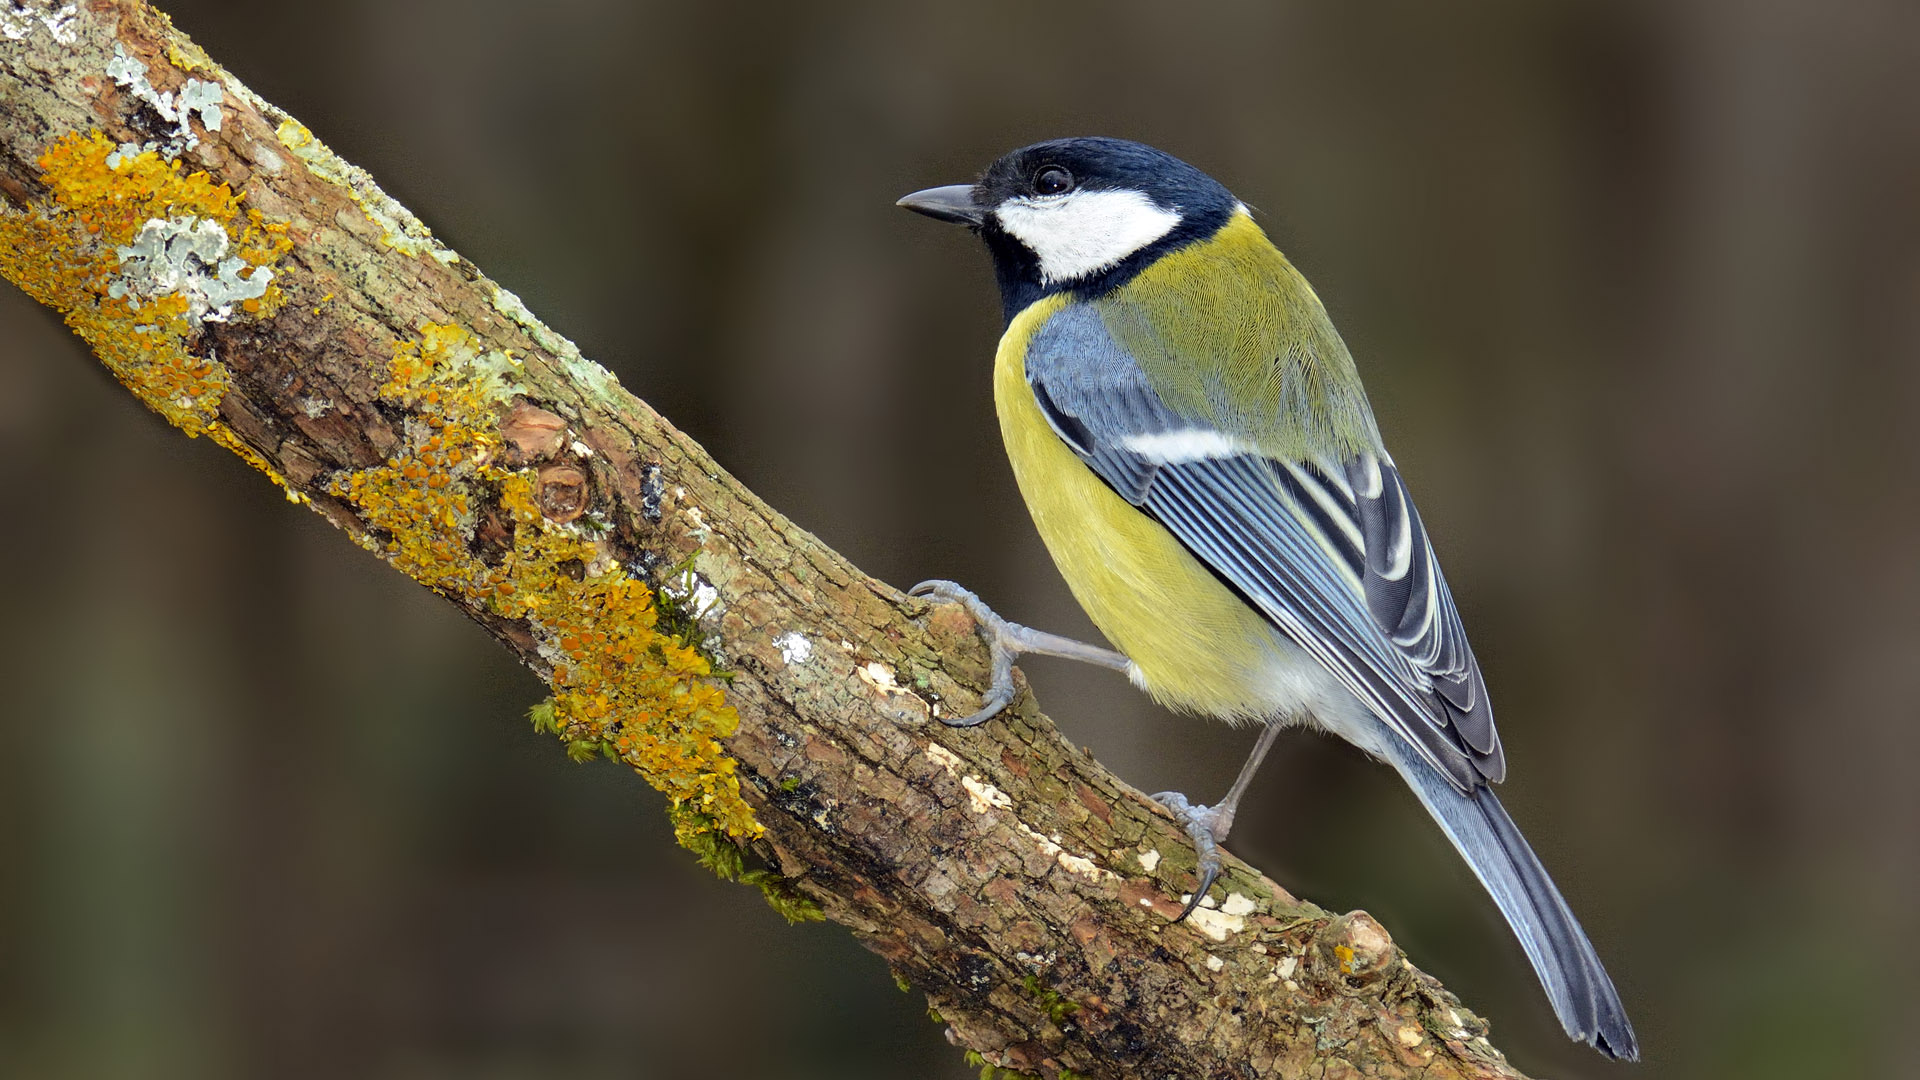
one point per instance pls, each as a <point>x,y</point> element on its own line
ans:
<point>1027,891</point>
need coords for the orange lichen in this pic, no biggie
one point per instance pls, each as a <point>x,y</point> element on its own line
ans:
<point>227,437</point>
<point>620,685</point>
<point>64,254</point>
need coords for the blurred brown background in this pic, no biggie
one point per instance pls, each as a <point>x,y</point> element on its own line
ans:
<point>1636,289</point>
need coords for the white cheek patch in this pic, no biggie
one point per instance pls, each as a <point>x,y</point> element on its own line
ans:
<point>1179,447</point>
<point>1084,232</point>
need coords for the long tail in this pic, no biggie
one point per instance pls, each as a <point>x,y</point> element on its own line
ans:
<point>1576,983</point>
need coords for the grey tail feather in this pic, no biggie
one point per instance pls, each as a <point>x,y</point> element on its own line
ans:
<point>1570,971</point>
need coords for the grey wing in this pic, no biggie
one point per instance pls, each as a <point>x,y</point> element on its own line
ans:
<point>1333,553</point>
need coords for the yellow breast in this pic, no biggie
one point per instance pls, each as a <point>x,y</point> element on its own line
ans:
<point>1196,645</point>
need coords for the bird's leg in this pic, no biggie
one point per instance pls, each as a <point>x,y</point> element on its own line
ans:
<point>1209,825</point>
<point>1007,640</point>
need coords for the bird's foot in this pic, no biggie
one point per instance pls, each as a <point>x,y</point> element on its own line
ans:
<point>1008,640</point>
<point>1003,642</point>
<point>1207,826</point>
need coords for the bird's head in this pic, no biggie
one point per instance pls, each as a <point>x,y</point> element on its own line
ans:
<point>1082,214</point>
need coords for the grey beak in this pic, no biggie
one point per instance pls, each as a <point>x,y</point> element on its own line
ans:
<point>951,203</point>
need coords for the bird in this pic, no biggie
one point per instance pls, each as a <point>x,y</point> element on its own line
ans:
<point>1191,437</point>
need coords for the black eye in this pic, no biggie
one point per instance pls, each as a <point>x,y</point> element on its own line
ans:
<point>1052,180</point>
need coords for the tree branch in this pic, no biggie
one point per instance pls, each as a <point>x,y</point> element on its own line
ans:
<point>253,288</point>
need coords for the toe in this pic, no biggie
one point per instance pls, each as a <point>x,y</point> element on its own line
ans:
<point>1209,873</point>
<point>1201,822</point>
<point>990,707</point>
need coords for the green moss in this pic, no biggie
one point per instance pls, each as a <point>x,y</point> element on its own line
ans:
<point>674,601</point>
<point>728,862</point>
<point>990,1071</point>
<point>1057,1008</point>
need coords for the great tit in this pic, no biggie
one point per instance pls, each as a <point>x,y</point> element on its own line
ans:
<point>1192,439</point>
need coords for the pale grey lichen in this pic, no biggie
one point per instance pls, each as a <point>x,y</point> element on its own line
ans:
<point>187,257</point>
<point>589,373</point>
<point>17,19</point>
<point>197,97</point>
<point>203,98</point>
<point>399,229</point>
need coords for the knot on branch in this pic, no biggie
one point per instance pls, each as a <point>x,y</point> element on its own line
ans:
<point>563,492</point>
<point>1355,952</point>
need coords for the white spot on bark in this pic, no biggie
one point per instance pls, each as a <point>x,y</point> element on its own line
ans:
<point>1214,963</point>
<point>1237,905</point>
<point>1149,859</point>
<point>943,757</point>
<point>794,648</point>
<point>1218,921</point>
<point>1285,967</point>
<point>706,598</point>
<point>699,530</point>
<point>984,796</point>
<point>879,676</point>
<point>1078,864</point>
<point>701,597</point>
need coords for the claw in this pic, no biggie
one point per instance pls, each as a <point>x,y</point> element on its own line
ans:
<point>1203,826</point>
<point>996,631</point>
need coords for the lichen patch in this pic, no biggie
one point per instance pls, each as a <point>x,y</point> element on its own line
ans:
<point>188,257</point>
<point>92,254</point>
<point>196,98</point>
<point>399,229</point>
<point>18,20</point>
<point>621,686</point>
